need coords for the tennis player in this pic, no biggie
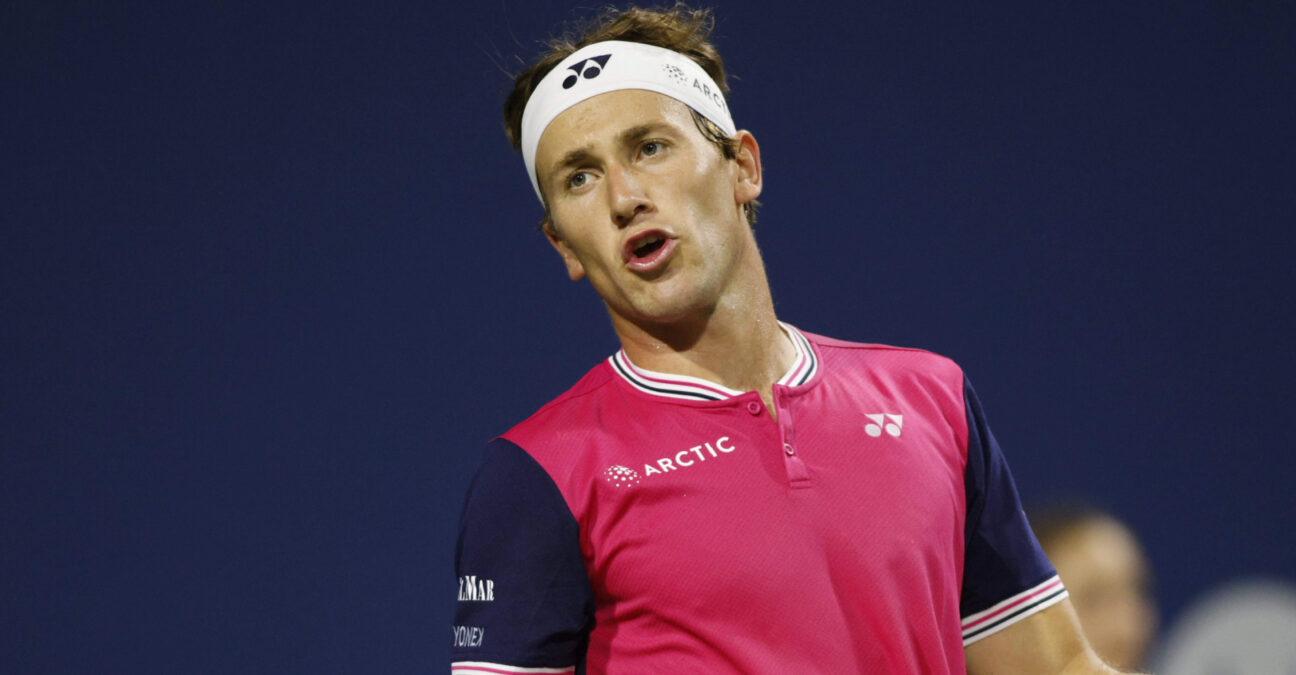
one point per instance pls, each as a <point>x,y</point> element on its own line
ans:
<point>727,493</point>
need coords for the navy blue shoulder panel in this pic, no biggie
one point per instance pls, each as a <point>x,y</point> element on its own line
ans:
<point>1001,555</point>
<point>524,597</point>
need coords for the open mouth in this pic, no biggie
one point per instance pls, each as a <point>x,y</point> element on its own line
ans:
<point>648,251</point>
<point>648,246</point>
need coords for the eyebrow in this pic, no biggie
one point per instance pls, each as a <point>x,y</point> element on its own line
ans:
<point>572,158</point>
<point>627,137</point>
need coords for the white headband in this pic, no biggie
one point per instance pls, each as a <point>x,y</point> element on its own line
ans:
<point>610,66</point>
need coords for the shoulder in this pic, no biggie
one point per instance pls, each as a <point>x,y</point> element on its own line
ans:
<point>567,435</point>
<point>575,407</point>
<point>886,360</point>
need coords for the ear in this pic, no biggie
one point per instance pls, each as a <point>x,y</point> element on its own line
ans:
<point>750,175</point>
<point>574,268</point>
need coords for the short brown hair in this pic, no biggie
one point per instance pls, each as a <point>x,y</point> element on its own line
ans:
<point>678,28</point>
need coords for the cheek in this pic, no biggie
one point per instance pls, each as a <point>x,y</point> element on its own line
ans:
<point>574,225</point>
<point>714,182</point>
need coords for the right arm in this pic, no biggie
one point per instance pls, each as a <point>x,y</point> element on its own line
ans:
<point>524,600</point>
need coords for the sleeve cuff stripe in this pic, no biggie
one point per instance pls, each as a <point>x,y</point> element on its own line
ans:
<point>1020,612</point>
<point>1026,597</point>
<point>484,668</point>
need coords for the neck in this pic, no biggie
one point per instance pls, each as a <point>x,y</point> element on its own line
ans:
<point>738,343</point>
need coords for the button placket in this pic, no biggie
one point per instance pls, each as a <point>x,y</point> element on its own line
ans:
<point>798,474</point>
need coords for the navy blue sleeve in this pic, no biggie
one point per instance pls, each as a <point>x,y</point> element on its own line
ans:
<point>524,598</point>
<point>1006,576</point>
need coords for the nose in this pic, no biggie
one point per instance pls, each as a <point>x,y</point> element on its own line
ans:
<point>626,196</point>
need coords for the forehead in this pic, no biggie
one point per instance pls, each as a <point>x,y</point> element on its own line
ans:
<point>601,119</point>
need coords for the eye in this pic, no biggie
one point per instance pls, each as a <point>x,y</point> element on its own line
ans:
<point>651,148</point>
<point>578,179</point>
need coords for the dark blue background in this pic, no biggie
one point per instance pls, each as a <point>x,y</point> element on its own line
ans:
<point>270,280</point>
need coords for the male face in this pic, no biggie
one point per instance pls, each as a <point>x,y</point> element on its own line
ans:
<point>646,207</point>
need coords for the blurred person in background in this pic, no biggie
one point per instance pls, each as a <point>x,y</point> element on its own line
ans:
<point>1104,567</point>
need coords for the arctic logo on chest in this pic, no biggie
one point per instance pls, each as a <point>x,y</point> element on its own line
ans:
<point>891,424</point>
<point>624,476</point>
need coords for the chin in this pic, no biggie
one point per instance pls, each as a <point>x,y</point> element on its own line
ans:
<point>673,312</point>
<point>666,302</point>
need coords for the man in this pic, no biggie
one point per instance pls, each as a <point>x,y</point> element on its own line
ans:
<point>727,494</point>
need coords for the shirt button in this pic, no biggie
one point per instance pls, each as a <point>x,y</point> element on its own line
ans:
<point>787,447</point>
<point>754,407</point>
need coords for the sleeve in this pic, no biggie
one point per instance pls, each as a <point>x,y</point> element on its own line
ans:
<point>525,604</point>
<point>1006,576</point>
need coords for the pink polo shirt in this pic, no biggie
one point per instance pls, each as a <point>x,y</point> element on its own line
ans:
<point>644,522</point>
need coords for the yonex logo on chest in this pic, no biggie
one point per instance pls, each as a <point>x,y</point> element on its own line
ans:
<point>587,68</point>
<point>891,424</point>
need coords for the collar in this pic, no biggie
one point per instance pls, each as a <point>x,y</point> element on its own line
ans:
<point>804,367</point>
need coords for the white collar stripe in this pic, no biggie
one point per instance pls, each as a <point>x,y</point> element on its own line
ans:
<point>677,380</point>
<point>803,345</point>
<point>804,367</point>
<point>669,388</point>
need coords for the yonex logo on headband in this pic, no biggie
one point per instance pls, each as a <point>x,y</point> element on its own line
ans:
<point>588,72</point>
<point>639,66</point>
